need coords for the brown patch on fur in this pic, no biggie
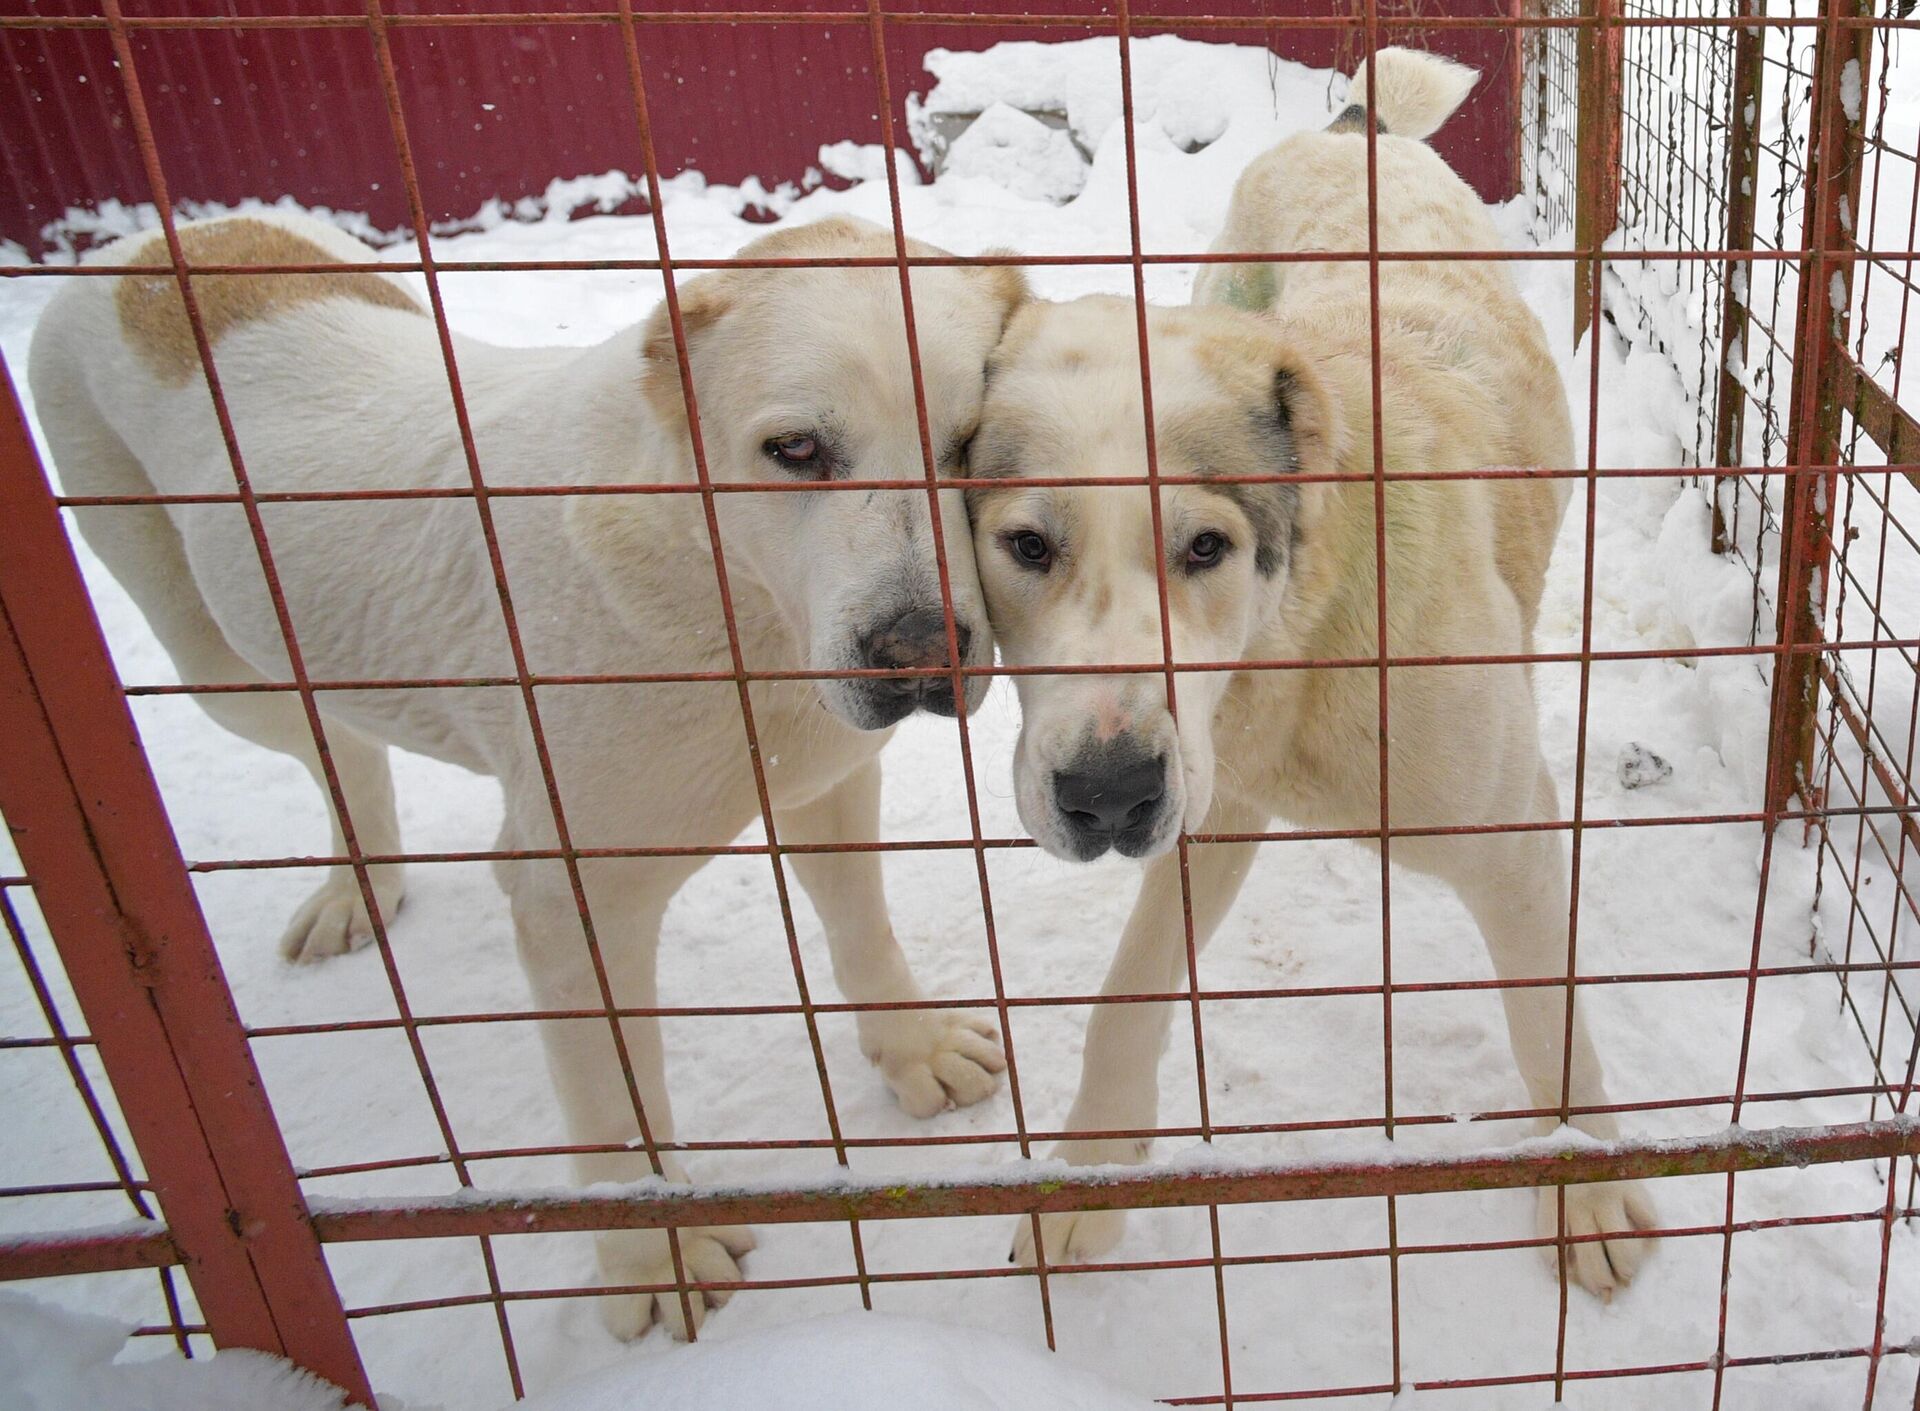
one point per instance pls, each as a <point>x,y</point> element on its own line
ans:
<point>153,316</point>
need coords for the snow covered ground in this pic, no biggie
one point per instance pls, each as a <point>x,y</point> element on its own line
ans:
<point>1654,900</point>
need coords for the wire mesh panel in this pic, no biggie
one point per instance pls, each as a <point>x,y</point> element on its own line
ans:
<point>547,421</point>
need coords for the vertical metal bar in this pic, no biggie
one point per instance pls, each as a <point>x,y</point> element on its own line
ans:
<point>87,818</point>
<point>1124,38</point>
<point>1820,383</point>
<point>1600,113</point>
<point>1597,207</point>
<point>876,25</point>
<point>1382,646</point>
<point>1832,187</point>
<point>1523,41</point>
<point>696,445</point>
<point>1743,156</point>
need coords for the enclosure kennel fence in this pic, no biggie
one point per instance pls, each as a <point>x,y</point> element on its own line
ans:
<point>1736,147</point>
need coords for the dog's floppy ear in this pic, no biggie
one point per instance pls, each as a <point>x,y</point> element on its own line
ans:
<point>702,301</point>
<point>1006,283</point>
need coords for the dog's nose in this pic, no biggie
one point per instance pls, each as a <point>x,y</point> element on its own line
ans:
<point>1111,796</point>
<point>915,640</point>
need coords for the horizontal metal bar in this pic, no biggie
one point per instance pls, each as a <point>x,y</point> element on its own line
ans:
<point>1071,1000</point>
<point>928,1140</point>
<point>1125,1266</point>
<point>1350,19</point>
<point>1056,1187</point>
<point>380,494</point>
<point>43,1256</point>
<point>1324,835</point>
<point>636,264</point>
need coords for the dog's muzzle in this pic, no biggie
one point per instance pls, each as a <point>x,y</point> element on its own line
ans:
<point>914,641</point>
<point>1111,796</point>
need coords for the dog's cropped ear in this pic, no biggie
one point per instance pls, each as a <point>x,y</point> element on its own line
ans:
<point>1306,414</point>
<point>702,301</point>
<point>1312,425</point>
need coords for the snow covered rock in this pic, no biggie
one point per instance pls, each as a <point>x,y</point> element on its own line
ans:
<point>1020,152</point>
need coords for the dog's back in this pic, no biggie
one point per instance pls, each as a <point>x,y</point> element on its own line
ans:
<point>1468,380</point>
<point>332,382</point>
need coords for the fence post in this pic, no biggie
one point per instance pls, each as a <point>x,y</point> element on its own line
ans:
<point>1743,156</point>
<point>93,836</point>
<point>1821,383</point>
<point>1596,209</point>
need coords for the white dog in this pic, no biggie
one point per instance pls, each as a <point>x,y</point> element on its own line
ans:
<point>336,382</point>
<point>1286,571</point>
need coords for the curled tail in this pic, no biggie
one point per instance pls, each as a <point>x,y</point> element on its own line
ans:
<point>1414,92</point>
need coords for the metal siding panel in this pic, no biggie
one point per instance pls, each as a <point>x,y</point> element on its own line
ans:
<point>300,114</point>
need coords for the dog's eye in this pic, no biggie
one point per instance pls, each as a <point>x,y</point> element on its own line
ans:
<point>1206,550</point>
<point>795,450</point>
<point>1031,549</point>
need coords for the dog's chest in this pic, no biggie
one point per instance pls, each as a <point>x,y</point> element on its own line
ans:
<point>1300,743</point>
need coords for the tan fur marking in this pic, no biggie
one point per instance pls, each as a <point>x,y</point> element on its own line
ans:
<point>154,318</point>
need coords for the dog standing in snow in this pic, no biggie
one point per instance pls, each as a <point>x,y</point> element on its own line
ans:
<point>336,383</point>
<point>1272,371</point>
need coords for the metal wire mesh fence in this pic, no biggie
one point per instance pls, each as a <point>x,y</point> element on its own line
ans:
<point>1733,192</point>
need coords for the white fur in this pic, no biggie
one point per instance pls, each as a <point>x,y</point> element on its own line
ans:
<point>339,394</point>
<point>1466,382</point>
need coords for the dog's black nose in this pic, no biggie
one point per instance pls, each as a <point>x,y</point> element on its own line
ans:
<point>915,640</point>
<point>1111,795</point>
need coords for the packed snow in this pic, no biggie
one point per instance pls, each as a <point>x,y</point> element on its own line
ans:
<point>58,1359</point>
<point>1046,175</point>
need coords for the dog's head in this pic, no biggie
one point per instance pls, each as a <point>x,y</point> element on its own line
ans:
<point>803,379</point>
<point>1072,576</point>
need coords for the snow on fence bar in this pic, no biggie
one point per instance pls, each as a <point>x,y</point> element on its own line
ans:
<point>358,1166</point>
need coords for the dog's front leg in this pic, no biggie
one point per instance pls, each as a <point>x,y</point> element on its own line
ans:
<point>1516,886</point>
<point>1120,1070</point>
<point>931,1058</point>
<point>627,899</point>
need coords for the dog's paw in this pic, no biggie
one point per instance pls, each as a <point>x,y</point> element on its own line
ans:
<point>334,921</point>
<point>1070,1236</point>
<point>934,1059</point>
<point>710,1255</point>
<point>1615,1209</point>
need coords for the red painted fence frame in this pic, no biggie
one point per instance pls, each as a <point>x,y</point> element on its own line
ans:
<point>87,820</point>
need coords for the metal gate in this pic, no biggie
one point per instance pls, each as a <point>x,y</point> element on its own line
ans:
<point>1803,426</point>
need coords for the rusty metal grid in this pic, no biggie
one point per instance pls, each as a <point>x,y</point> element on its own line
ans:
<point>1807,437</point>
<point>69,1201</point>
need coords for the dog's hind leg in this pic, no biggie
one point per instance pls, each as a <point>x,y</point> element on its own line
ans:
<point>1120,1071</point>
<point>626,899</point>
<point>931,1058</point>
<point>143,550</point>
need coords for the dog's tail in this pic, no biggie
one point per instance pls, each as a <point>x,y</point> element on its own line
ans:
<point>1414,92</point>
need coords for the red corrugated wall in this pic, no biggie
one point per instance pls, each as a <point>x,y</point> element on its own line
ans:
<point>502,109</point>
